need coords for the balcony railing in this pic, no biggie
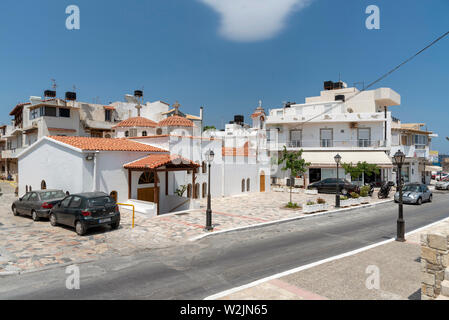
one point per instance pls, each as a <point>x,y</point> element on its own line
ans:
<point>327,143</point>
<point>12,153</point>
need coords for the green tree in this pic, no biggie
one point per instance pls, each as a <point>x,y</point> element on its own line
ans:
<point>293,162</point>
<point>360,169</point>
<point>209,128</point>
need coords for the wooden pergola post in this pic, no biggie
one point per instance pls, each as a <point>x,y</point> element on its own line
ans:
<point>129,183</point>
<point>156,193</point>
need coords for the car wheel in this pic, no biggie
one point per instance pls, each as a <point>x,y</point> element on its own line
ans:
<point>14,211</point>
<point>419,201</point>
<point>34,216</point>
<point>115,225</point>
<point>80,228</point>
<point>53,221</point>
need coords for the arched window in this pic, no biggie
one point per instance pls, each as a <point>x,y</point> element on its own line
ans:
<point>107,135</point>
<point>196,193</point>
<point>204,190</point>
<point>114,195</point>
<point>243,185</point>
<point>26,188</point>
<point>127,133</point>
<point>159,131</point>
<point>144,133</point>
<point>43,185</point>
<point>146,177</point>
<point>189,190</point>
<point>31,189</point>
<point>248,186</point>
<point>204,166</point>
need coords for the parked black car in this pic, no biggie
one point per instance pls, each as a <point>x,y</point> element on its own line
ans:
<point>330,185</point>
<point>37,204</point>
<point>86,210</point>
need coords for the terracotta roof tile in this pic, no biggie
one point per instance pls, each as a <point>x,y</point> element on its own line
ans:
<point>154,161</point>
<point>106,144</point>
<point>136,122</point>
<point>175,121</point>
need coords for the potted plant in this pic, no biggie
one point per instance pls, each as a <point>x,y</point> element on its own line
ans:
<point>311,207</point>
<point>345,201</point>
<point>324,205</point>
<point>355,198</point>
<point>364,194</point>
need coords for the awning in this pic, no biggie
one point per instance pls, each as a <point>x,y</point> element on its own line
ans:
<point>325,159</point>
<point>154,161</point>
<point>433,168</point>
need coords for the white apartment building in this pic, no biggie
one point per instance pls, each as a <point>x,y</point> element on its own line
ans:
<point>414,141</point>
<point>355,124</point>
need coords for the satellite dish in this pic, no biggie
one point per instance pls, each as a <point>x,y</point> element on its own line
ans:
<point>35,100</point>
<point>131,99</point>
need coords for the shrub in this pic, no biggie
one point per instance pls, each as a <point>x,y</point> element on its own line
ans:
<point>310,203</point>
<point>321,201</point>
<point>292,205</point>
<point>343,198</point>
<point>355,195</point>
<point>364,193</point>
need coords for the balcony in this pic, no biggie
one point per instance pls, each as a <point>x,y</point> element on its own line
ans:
<point>11,154</point>
<point>328,144</point>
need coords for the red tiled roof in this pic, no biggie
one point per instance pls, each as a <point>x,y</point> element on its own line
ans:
<point>136,122</point>
<point>175,121</point>
<point>109,107</point>
<point>154,161</point>
<point>106,144</point>
<point>256,114</point>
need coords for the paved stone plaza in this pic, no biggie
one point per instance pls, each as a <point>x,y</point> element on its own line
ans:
<point>27,245</point>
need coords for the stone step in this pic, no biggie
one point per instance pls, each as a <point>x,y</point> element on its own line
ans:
<point>445,288</point>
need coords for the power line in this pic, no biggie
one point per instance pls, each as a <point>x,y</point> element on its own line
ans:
<point>385,75</point>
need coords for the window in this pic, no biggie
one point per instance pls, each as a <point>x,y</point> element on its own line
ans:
<point>364,137</point>
<point>295,138</point>
<point>107,115</point>
<point>248,185</point>
<point>43,185</point>
<point>243,185</point>
<point>326,137</point>
<point>48,111</point>
<point>100,201</point>
<point>107,136</point>
<point>35,113</point>
<point>204,167</point>
<point>204,190</point>
<point>114,195</point>
<point>405,141</point>
<point>197,191</point>
<point>146,178</point>
<point>33,197</point>
<point>65,113</point>
<point>76,202</point>
<point>420,141</point>
<point>159,131</point>
<point>144,133</point>
<point>127,134</point>
<point>48,195</point>
<point>65,202</point>
<point>26,197</point>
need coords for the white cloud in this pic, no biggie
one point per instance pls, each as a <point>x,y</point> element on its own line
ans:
<point>253,20</point>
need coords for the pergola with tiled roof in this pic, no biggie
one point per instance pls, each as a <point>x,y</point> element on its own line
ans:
<point>136,122</point>
<point>106,144</point>
<point>160,163</point>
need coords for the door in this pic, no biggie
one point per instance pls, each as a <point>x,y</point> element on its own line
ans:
<point>262,181</point>
<point>32,203</point>
<point>61,211</point>
<point>146,194</point>
<point>73,210</point>
<point>20,206</point>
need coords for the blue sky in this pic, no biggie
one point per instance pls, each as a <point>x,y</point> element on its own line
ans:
<point>204,52</point>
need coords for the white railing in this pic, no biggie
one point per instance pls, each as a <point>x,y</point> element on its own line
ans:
<point>328,143</point>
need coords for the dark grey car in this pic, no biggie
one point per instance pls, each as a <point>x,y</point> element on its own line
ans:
<point>37,204</point>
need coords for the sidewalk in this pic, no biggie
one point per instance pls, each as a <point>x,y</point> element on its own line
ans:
<point>345,278</point>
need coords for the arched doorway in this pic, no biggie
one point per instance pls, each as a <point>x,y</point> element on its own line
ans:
<point>262,181</point>
<point>43,185</point>
<point>114,195</point>
<point>196,191</point>
<point>248,185</point>
<point>243,185</point>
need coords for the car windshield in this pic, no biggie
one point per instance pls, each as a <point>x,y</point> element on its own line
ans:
<point>411,189</point>
<point>49,195</point>
<point>100,201</point>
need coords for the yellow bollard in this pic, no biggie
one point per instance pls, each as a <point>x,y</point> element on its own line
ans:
<point>130,205</point>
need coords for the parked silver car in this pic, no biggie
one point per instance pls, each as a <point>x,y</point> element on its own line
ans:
<point>442,185</point>
<point>414,193</point>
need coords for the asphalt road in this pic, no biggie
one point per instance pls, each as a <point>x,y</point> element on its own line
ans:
<point>221,262</point>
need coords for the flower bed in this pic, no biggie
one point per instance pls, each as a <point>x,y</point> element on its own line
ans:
<point>315,208</point>
<point>365,200</point>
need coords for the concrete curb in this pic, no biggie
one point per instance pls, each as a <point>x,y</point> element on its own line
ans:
<point>264,224</point>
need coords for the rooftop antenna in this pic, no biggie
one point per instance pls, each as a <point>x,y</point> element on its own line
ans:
<point>54,85</point>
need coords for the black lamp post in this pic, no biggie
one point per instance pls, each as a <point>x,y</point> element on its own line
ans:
<point>399,159</point>
<point>209,158</point>
<point>337,159</point>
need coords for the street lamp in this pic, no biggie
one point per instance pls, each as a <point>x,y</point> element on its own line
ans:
<point>209,158</point>
<point>399,159</point>
<point>337,159</point>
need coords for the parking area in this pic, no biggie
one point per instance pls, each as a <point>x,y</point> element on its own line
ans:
<point>26,245</point>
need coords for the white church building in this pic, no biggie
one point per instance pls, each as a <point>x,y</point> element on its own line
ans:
<point>159,166</point>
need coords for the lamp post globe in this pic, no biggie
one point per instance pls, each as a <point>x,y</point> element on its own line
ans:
<point>337,159</point>
<point>209,159</point>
